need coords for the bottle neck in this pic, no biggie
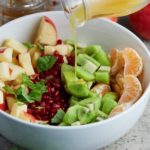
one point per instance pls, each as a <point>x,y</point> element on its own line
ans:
<point>76,11</point>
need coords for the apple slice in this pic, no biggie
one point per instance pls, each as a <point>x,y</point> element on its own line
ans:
<point>17,46</point>
<point>15,71</point>
<point>2,84</point>
<point>2,101</point>
<point>41,122</point>
<point>27,117</point>
<point>15,61</point>
<point>49,50</point>
<point>64,49</point>
<point>18,108</point>
<point>47,33</point>
<point>25,61</point>
<point>10,102</point>
<point>4,71</point>
<point>34,50</point>
<point>35,57</point>
<point>6,54</point>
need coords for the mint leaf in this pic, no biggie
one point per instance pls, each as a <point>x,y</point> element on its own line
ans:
<point>41,48</point>
<point>27,81</point>
<point>39,85</point>
<point>22,95</point>
<point>9,90</point>
<point>37,89</point>
<point>58,117</point>
<point>35,95</point>
<point>46,62</point>
<point>28,45</point>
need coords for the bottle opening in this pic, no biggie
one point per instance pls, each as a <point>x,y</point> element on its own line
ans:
<point>75,11</point>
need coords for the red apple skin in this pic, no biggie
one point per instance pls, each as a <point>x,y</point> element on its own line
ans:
<point>140,22</point>
<point>3,107</point>
<point>27,117</point>
<point>2,49</point>
<point>51,32</point>
<point>114,19</point>
<point>50,22</point>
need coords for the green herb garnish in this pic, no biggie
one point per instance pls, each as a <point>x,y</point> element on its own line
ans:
<point>9,90</point>
<point>46,62</point>
<point>21,94</point>
<point>40,47</point>
<point>28,45</point>
<point>58,117</point>
<point>37,89</point>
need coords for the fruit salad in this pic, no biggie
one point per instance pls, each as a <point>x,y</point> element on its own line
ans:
<point>40,83</point>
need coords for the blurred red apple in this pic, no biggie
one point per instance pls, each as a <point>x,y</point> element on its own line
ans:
<point>115,19</point>
<point>140,22</point>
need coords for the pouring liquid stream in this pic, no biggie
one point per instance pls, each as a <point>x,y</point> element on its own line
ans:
<point>75,37</point>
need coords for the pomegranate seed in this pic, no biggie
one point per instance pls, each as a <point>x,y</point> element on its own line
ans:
<point>55,97</point>
<point>59,42</point>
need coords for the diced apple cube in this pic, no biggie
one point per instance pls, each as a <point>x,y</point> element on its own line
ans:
<point>47,33</point>
<point>27,117</point>
<point>18,108</point>
<point>35,57</point>
<point>17,46</point>
<point>25,61</point>
<point>63,49</point>
<point>15,71</point>
<point>2,101</point>
<point>10,102</point>
<point>41,122</point>
<point>15,61</point>
<point>2,84</point>
<point>6,54</point>
<point>33,50</point>
<point>65,59</point>
<point>49,50</point>
<point>1,97</point>
<point>4,71</point>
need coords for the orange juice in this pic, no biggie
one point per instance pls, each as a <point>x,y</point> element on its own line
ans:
<point>82,10</point>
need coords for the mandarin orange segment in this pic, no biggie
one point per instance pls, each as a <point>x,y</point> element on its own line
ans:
<point>117,89</point>
<point>119,109</point>
<point>133,62</point>
<point>101,89</point>
<point>132,90</point>
<point>120,80</point>
<point>117,61</point>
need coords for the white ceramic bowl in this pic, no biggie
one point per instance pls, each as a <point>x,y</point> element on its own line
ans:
<point>86,137</point>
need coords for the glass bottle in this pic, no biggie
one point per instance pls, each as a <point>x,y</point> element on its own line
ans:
<point>11,9</point>
<point>79,11</point>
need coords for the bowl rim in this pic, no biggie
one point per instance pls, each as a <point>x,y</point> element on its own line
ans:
<point>144,95</point>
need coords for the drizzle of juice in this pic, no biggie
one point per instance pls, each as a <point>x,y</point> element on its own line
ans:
<point>75,37</point>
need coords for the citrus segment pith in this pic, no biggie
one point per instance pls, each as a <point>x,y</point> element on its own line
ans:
<point>132,90</point>
<point>133,62</point>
